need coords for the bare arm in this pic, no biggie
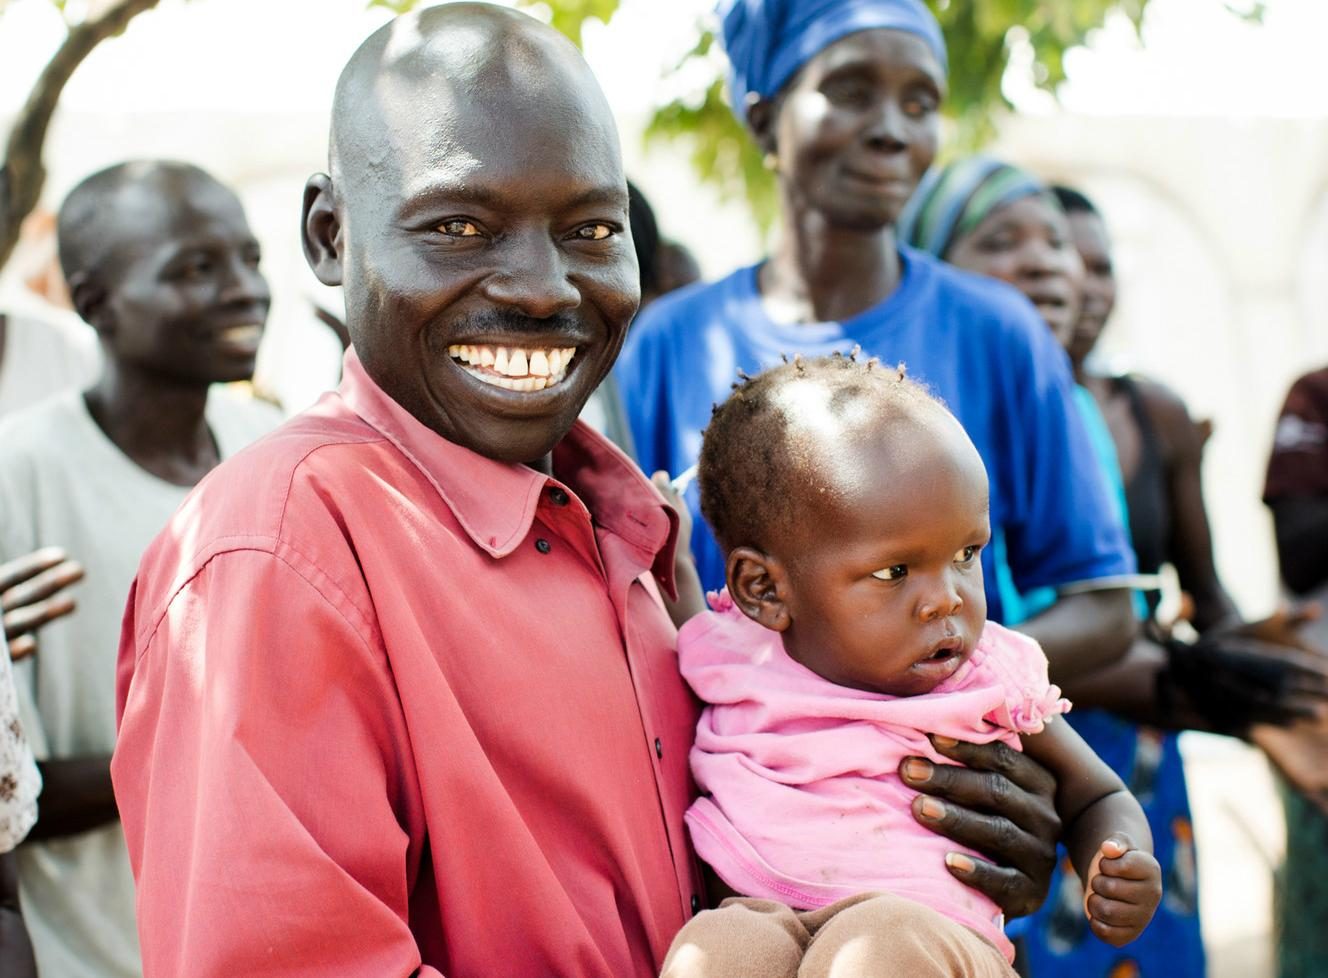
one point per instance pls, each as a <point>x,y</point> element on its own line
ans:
<point>1190,546</point>
<point>1084,633</point>
<point>76,796</point>
<point>1106,834</point>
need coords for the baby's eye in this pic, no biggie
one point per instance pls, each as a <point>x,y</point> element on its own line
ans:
<point>891,573</point>
<point>459,228</point>
<point>966,555</point>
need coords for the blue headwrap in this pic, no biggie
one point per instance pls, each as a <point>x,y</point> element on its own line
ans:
<point>767,41</point>
<point>951,201</point>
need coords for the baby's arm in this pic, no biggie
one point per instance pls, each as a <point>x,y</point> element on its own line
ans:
<point>1105,832</point>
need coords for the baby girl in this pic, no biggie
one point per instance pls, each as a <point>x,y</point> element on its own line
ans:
<point>853,507</point>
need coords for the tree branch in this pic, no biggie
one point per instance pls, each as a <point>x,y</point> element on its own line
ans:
<point>22,174</point>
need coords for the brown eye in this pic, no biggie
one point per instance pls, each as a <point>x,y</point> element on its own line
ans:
<point>594,232</point>
<point>459,228</point>
<point>894,573</point>
<point>966,555</point>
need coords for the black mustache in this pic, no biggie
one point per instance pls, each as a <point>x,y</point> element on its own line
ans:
<point>496,323</point>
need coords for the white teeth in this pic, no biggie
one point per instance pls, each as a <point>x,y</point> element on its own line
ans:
<point>513,368</point>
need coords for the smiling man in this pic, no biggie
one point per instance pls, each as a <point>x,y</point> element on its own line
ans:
<point>161,261</point>
<point>397,697</point>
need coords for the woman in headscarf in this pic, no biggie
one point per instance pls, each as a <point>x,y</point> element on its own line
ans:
<point>844,98</point>
<point>989,217</point>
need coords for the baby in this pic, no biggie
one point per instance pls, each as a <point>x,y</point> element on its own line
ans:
<point>853,508</point>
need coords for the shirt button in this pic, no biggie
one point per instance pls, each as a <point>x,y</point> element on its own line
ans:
<point>543,546</point>
<point>558,496</point>
<point>696,904</point>
<point>659,747</point>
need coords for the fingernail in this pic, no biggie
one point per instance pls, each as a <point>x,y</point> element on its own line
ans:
<point>1114,847</point>
<point>932,809</point>
<point>940,741</point>
<point>916,769</point>
<point>958,862</point>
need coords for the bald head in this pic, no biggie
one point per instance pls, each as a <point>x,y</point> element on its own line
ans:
<point>455,64</point>
<point>103,214</point>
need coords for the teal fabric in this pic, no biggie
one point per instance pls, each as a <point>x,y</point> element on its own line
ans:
<point>1302,891</point>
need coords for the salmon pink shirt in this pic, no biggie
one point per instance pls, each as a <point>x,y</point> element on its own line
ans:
<point>391,708</point>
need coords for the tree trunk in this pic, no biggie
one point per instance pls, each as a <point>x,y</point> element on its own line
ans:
<point>22,174</point>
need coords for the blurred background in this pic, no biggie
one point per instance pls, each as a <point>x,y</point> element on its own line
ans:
<point>1199,126</point>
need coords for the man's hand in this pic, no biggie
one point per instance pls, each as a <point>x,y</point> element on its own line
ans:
<point>1123,890</point>
<point>31,595</point>
<point>1001,803</point>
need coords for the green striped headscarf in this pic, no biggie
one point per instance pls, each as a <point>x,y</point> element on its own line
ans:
<point>950,202</point>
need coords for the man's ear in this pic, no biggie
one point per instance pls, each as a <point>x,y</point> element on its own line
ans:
<point>321,230</point>
<point>89,301</point>
<point>757,585</point>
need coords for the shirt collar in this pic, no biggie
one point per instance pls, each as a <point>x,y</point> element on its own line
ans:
<point>495,502</point>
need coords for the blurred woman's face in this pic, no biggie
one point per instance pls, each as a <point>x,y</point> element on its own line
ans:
<point>1027,243</point>
<point>1089,235</point>
<point>857,127</point>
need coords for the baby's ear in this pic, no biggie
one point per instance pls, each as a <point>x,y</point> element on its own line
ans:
<point>755,580</point>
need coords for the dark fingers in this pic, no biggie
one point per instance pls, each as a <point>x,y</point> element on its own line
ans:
<point>999,759</point>
<point>19,569</point>
<point>42,585</point>
<point>29,618</point>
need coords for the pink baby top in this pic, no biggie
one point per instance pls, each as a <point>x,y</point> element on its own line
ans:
<point>803,800</point>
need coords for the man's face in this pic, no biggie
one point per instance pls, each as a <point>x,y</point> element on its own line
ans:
<point>183,296</point>
<point>488,270</point>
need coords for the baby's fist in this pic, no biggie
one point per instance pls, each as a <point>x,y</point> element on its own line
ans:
<point>1124,888</point>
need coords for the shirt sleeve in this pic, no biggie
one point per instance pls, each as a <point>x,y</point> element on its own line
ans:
<point>1061,526</point>
<point>20,782</point>
<point>1298,465</point>
<point>265,780</point>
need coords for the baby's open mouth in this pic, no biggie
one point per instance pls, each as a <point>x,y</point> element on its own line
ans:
<point>514,368</point>
<point>946,649</point>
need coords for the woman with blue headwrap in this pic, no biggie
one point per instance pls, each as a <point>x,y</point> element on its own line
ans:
<point>844,97</point>
<point>995,219</point>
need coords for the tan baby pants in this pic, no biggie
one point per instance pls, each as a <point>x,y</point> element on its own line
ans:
<point>865,936</point>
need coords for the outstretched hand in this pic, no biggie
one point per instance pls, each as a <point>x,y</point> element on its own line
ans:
<point>1001,803</point>
<point>31,595</point>
<point>1233,680</point>
<point>1123,890</point>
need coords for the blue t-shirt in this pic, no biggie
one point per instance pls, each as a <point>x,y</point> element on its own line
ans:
<point>978,345</point>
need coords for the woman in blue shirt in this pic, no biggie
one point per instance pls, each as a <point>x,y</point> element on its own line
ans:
<point>844,97</point>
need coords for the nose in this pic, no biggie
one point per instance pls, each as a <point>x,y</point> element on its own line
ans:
<point>940,599</point>
<point>244,284</point>
<point>532,278</point>
<point>888,127</point>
